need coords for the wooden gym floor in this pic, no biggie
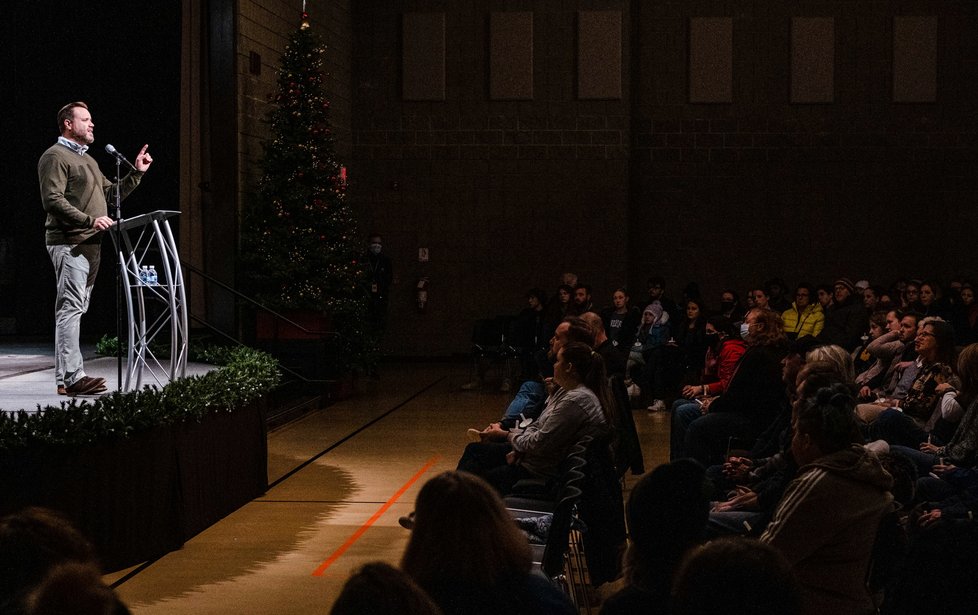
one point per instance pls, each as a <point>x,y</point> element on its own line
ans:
<point>339,478</point>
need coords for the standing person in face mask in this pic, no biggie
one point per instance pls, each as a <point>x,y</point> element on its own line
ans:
<point>381,274</point>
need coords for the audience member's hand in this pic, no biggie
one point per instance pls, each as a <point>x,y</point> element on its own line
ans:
<point>706,404</point>
<point>927,447</point>
<point>943,387</point>
<point>929,518</point>
<point>512,457</point>
<point>689,391</point>
<point>865,392</point>
<point>745,501</point>
<point>942,469</point>
<point>737,468</point>
<point>495,432</point>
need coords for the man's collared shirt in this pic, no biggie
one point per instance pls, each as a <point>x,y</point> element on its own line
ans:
<point>75,147</point>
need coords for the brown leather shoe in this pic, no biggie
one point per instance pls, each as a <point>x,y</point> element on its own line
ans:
<point>85,386</point>
<point>61,390</point>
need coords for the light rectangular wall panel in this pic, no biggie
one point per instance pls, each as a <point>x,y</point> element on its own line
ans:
<point>812,59</point>
<point>915,59</point>
<point>423,60</point>
<point>599,54</point>
<point>711,60</point>
<point>511,56</point>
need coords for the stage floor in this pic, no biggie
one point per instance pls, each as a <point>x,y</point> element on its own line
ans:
<point>27,375</point>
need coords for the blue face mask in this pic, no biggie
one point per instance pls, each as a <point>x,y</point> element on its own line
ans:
<point>744,330</point>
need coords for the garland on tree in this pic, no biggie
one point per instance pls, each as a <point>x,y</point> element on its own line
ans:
<point>300,246</point>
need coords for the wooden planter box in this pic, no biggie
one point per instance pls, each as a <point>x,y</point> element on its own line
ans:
<point>140,497</point>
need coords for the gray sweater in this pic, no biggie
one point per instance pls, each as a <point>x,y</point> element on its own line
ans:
<point>568,416</point>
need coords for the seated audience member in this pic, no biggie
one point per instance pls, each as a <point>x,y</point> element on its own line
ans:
<point>805,316</point>
<point>928,300</point>
<point>836,355</point>
<point>827,521</point>
<point>529,400</point>
<point>559,307</point>
<point>736,576</point>
<point>911,295</point>
<point>752,486</point>
<point>760,299</point>
<point>776,289</point>
<point>899,376</point>
<point>824,294</point>
<point>753,398</point>
<point>962,448</point>
<point>723,350</point>
<point>862,358</point>
<point>730,306</point>
<point>918,416</point>
<point>377,588</point>
<point>529,333</point>
<point>686,361</point>
<point>657,292</point>
<point>582,299</point>
<point>882,351</point>
<point>614,361</point>
<point>872,299</point>
<point>74,588</point>
<point>33,543</point>
<point>666,515</point>
<point>621,321</point>
<point>652,333</point>
<point>845,319</point>
<point>580,406</point>
<point>965,316</point>
<point>467,553</point>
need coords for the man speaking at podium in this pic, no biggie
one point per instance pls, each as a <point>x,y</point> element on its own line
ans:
<point>74,194</point>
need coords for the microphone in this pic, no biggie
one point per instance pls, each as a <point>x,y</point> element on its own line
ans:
<point>112,150</point>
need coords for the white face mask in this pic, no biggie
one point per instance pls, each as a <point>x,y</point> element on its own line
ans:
<point>375,248</point>
<point>744,330</point>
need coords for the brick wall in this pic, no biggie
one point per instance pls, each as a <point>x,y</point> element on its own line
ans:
<point>264,27</point>
<point>507,194</point>
<point>861,186</point>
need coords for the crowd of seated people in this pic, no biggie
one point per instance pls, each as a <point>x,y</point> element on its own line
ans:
<point>800,428</point>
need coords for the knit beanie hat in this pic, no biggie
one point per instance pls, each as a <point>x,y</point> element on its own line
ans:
<point>847,283</point>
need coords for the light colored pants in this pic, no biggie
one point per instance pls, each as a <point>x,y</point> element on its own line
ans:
<point>72,270</point>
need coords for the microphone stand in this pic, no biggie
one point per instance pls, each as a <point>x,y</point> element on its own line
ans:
<point>117,239</point>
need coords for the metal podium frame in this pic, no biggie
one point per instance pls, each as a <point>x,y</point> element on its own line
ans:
<point>147,230</point>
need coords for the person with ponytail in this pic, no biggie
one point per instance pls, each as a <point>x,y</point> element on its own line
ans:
<point>581,404</point>
<point>826,522</point>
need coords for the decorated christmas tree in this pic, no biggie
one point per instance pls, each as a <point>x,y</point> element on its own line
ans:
<point>300,244</point>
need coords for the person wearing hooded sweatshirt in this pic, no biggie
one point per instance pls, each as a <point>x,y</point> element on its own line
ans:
<point>826,523</point>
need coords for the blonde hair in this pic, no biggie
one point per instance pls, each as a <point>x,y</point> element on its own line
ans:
<point>836,355</point>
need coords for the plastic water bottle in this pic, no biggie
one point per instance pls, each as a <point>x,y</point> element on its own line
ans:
<point>152,278</point>
<point>144,276</point>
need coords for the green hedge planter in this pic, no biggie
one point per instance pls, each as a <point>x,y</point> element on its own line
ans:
<point>140,473</point>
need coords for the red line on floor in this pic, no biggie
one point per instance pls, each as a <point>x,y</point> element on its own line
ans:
<point>366,526</point>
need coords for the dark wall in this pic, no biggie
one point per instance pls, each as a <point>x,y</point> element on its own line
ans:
<point>123,59</point>
<point>507,194</point>
<point>862,186</point>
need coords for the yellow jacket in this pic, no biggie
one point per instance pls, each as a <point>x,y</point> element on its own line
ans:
<point>808,322</point>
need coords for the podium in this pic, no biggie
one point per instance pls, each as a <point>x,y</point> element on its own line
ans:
<point>152,309</point>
